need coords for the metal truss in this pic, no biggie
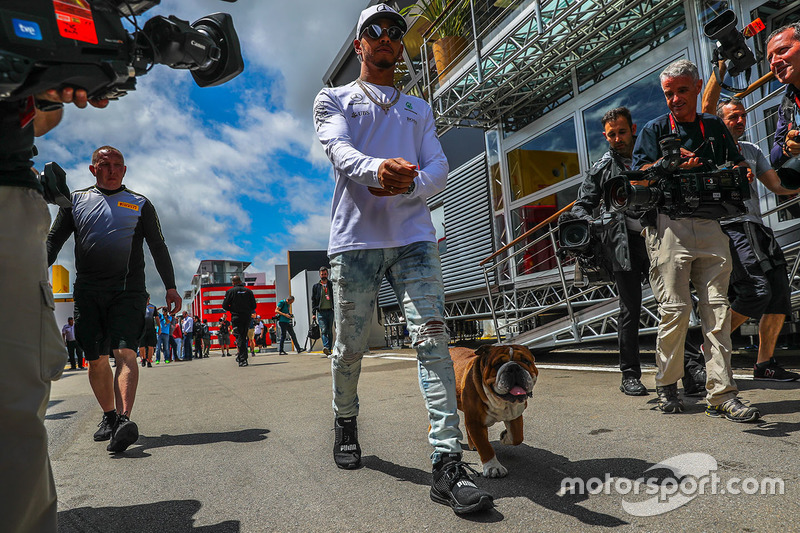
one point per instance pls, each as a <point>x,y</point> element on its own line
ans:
<point>530,69</point>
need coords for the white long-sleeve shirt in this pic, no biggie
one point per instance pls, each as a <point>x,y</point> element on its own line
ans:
<point>358,136</point>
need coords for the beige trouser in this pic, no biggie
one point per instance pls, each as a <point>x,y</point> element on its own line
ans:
<point>33,355</point>
<point>696,250</point>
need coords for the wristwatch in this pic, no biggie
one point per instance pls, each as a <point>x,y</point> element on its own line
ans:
<point>47,105</point>
<point>411,188</point>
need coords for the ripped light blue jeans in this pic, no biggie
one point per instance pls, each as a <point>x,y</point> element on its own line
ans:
<point>415,274</point>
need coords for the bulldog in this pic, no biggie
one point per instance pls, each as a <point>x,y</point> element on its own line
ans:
<point>493,384</point>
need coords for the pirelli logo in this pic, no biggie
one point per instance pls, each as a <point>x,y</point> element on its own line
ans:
<point>126,205</point>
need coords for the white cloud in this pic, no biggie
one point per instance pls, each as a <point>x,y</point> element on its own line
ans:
<point>210,181</point>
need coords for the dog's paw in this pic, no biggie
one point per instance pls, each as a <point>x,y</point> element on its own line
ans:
<point>505,437</point>
<point>493,468</point>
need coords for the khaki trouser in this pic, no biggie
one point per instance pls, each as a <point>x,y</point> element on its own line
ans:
<point>696,250</point>
<point>33,354</point>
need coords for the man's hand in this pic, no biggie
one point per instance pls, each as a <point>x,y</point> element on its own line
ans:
<point>792,147</point>
<point>174,301</point>
<point>689,159</point>
<point>395,176</point>
<point>69,95</point>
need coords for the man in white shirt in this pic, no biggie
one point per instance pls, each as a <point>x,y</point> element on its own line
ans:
<point>387,161</point>
<point>73,349</point>
<point>187,326</point>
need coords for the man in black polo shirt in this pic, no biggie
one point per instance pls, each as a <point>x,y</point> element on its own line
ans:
<point>692,249</point>
<point>110,223</point>
<point>241,303</point>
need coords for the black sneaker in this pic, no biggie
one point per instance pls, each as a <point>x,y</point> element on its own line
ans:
<point>346,451</point>
<point>772,371</point>
<point>633,387</point>
<point>453,486</point>
<point>668,399</point>
<point>125,434</point>
<point>106,426</point>
<point>695,385</point>
<point>734,410</point>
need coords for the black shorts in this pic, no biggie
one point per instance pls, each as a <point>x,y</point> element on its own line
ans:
<point>759,285</point>
<point>108,320</point>
<point>149,338</point>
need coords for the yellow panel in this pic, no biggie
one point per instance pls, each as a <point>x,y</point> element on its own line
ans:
<point>60,279</point>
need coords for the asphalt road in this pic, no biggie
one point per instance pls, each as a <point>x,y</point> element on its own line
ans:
<point>229,449</point>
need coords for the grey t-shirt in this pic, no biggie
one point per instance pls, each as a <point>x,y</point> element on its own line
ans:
<point>758,164</point>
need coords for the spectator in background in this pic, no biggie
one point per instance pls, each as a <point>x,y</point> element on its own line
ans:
<point>197,335</point>
<point>164,334</point>
<point>187,325</point>
<point>258,329</point>
<point>322,309</point>
<point>206,338</point>
<point>73,350</point>
<point>147,344</point>
<point>224,336</point>
<point>178,340</point>
<point>285,320</point>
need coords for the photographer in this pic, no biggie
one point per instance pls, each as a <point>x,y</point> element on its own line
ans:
<point>692,249</point>
<point>628,255</point>
<point>32,345</point>
<point>759,279</point>
<point>783,54</point>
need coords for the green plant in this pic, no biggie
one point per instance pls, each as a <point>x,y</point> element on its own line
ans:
<point>452,23</point>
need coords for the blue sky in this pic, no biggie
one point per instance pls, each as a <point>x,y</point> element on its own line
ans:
<point>235,171</point>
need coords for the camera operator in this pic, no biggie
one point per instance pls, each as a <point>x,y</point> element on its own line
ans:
<point>692,249</point>
<point>34,354</point>
<point>759,279</point>
<point>783,54</point>
<point>629,256</point>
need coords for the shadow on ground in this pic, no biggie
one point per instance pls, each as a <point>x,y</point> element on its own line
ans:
<point>537,475</point>
<point>191,439</point>
<point>174,516</point>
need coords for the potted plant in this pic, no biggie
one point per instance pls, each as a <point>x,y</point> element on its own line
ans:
<point>450,20</point>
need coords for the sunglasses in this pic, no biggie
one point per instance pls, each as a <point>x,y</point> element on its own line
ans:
<point>374,31</point>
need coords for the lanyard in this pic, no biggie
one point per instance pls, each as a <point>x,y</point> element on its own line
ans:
<point>674,129</point>
<point>674,126</point>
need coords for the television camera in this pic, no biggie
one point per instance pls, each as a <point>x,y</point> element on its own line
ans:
<point>731,46</point>
<point>583,239</point>
<point>713,194</point>
<point>46,44</point>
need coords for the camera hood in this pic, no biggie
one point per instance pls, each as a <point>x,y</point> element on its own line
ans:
<point>789,173</point>
<point>219,27</point>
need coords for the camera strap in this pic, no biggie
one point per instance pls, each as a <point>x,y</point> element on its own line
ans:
<point>673,126</point>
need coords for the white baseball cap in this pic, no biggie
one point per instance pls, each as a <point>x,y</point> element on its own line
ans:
<point>376,12</point>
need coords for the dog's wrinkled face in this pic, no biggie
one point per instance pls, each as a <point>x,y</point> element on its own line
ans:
<point>509,371</point>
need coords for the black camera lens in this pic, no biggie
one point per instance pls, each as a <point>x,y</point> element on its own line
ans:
<point>573,234</point>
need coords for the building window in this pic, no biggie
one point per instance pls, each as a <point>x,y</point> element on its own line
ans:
<point>644,98</point>
<point>538,257</point>
<point>495,174</point>
<point>543,161</point>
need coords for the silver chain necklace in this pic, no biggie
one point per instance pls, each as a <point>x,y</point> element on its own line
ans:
<point>374,98</point>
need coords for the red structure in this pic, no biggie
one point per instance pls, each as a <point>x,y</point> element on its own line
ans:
<point>212,281</point>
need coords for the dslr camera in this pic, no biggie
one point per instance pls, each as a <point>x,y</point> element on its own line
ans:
<point>583,239</point>
<point>46,44</point>
<point>713,194</point>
